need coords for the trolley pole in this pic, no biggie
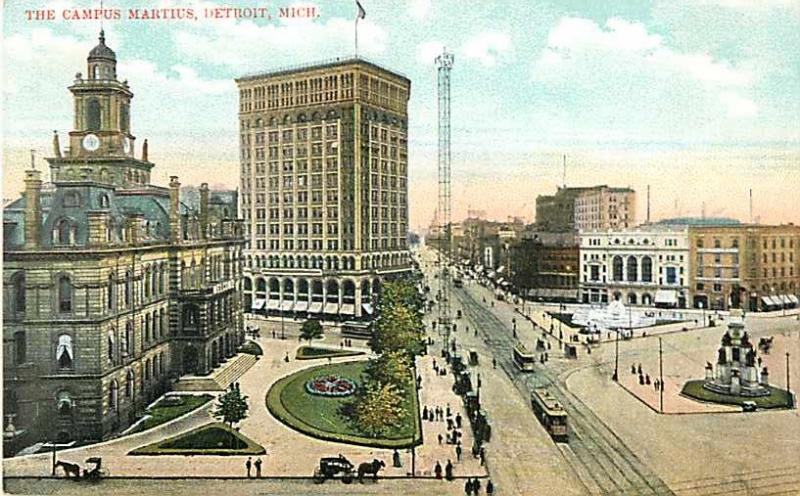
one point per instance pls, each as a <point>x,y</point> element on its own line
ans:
<point>788,384</point>
<point>661,375</point>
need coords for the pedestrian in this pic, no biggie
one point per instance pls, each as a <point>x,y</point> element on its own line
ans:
<point>248,464</point>
<point>483,456</point>
<point>434,365</point>
<point>449,424</point>
<point>448,410</point>
<point>494,363</point>
<point>476,486</point>
<point>440,439</point>
<point>647,379</point>
<point>489,487</point>
<point>286,358</point>
<point>468,487</point>
<point>438,470</point>
<point>448,470</point>
<point>633,369</point>
<point>425,413</point>
<point>639,370</point>
<point>458,421</point>
<point>641,379</point>
<point>341,344</point>
<point>258,468</point>
<point>458,452</point>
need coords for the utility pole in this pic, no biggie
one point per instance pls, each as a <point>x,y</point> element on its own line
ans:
<point>788,384</point>
<point>661,375</point>
<point>615,377</point>
<point>444,64</point>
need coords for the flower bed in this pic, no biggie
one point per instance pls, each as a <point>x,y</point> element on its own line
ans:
<point>331,385</point>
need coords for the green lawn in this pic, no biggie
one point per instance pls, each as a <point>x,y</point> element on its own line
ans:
<point>779,398</point>
<point>211,439</point>
<point>319,416</point>
<point>163,412</point>
<point>312,352</point>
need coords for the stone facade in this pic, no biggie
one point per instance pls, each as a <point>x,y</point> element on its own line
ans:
<point>646,266</point>
<point>585,208</point>
<point>112,287</point>
<point>324,170</point>
<point>736,371</point>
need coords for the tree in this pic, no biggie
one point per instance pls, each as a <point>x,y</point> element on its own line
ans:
<point>311,329</point>
<point>401,293</point>
<point>379,409</point>
<point>231,407</point>
<point>390,368</point>
<point>398,328</point>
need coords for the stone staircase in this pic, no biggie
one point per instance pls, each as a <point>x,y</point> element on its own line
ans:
<point>220,378</point>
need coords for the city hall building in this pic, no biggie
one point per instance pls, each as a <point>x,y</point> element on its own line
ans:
<point>324,187</point>
<point>112,287</point>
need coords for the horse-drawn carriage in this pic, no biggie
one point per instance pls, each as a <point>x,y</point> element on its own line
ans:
<point>330,467</point>
<point>93,472</point>
<point>764,344</point>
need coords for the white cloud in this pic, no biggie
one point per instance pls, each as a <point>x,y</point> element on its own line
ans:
<point>428,51</point>
<point>420,9</point>
<point>487,47</point>
<point>247,46</point>
<point>737,105</point>
<point>579,51</point>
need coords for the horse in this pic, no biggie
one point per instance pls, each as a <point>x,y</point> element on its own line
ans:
<point>70,469</point>
<point>372,467</point>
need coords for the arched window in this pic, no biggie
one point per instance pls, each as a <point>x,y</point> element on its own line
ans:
<point>64,294</point>
<point>18,283</point>
<point>20,348</point>
<point>633,269</point>
<point>103,197</point>
<point>129,338</point>
<point>128,288</point>
<point>129,381</point>
<point>647,269</point>
<point>113,396</point>
<point>110,292</point>
<point>190,317</point>
<point>124,117</point>
<point>64,232</point>
<point>110,344</point>
<point>64,352</point>
<point>617,268</point>
<point>147,282</point>
<point>162,321</point>
<point>93,120</point>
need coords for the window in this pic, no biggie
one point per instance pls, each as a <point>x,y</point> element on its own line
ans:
<point>72,199</point>
<point>18,283</point>
<point>110,344</point>
<point>672,277</point>
<point>617,268</point>
<point>129,383</point>
<point>64,232</point>
<point>113,396</point>
<point>647,269</point>
<point>699,242</point>
<point>64,352</point>
<point>129,339</point>
<point>64,294</point>
<point>93,121</point>
<point>64,403</point>
<point>128,288</point>
<point>20,348</point>
<point>633,267</point>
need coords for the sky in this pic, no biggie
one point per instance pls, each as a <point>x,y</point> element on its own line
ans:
<point>700,99</point>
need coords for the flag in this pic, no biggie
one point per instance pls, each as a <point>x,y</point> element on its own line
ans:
<point>361,12</point>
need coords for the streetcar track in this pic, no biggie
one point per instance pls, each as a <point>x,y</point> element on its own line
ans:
<point>619,473</point>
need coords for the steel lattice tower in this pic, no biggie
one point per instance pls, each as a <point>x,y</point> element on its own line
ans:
<point>444,63</point>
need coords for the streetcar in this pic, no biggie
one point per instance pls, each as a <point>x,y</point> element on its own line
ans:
<point>550,414</point>
<point>523,359</point>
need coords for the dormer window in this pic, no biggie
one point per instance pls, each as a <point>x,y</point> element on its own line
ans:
<point>65,232</point>
<point>72,199</point>
<point>103,200</point>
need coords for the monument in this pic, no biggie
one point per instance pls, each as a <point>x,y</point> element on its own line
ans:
<point>736,372</point>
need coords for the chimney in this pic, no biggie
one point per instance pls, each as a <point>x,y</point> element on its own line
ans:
<point>144,151</point>
<point>204,210</point>
<point>174,207</point>
<point>134,226</point>
<point>33,209</point>
<point>98,227</point>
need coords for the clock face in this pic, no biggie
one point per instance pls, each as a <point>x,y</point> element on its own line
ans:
<point>126,144</point>
<point>91,142</point>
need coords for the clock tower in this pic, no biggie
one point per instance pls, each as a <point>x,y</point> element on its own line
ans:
<point>101,146</point>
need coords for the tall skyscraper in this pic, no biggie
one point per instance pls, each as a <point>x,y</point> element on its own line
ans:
<point>324,191</point>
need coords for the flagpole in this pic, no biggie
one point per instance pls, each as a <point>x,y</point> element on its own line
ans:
<point>356,30</point>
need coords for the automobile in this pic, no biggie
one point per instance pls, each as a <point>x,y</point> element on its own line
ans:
<point>749,406</point>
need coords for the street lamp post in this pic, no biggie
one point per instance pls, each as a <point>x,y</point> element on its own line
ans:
<point>283,334</point>
<point>788,384</point>
<point>615,377</point>
<point>661,375</point>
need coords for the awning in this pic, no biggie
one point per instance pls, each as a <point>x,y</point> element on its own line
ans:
<point>367,308</point>
<point>259,303</point>
<point>348,309</point>
<point>785,299</point>
<point>301,306</point>
<point>768,301</point>
<point>491,274</point>
<point>273,304</point>
<point>315,307</point>
<point>287,305</point>
<point>793,299</point>
<point>667,296</point>
<point>500,281</point>
<point>505,283</point>
<point>331,308</point>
